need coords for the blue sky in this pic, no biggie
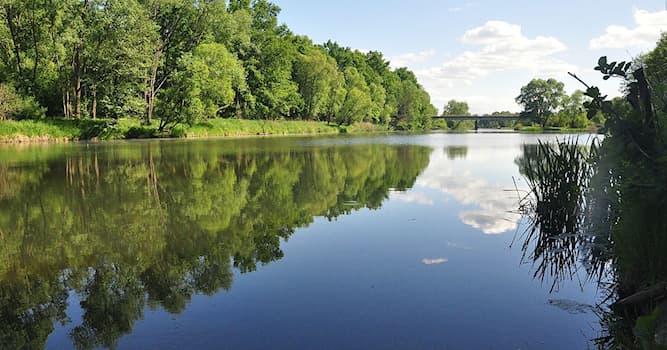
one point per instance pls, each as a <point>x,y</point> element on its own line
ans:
<point>484,51</point>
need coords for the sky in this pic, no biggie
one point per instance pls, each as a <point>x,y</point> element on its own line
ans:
<point>483,52</point>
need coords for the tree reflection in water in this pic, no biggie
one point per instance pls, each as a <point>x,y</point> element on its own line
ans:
<point>152,224</point>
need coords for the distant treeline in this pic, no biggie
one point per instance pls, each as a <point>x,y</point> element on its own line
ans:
<point>185,60</point>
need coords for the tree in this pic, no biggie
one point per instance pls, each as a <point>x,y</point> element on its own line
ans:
<point>541,98</point>
<point>118,58</point>
<point>205,84</point>
<point>315,73</point>
<point>125,58</point>
<point>358,101</point>
<point>182,26</point>
<point>454,107</point>
<point>458,108</point>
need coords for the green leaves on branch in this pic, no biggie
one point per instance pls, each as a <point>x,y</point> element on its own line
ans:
<point>205,84</point>
<point>609,70</point>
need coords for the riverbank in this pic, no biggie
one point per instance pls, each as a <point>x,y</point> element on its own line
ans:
<point>536,129</point>
<point>62,130</point>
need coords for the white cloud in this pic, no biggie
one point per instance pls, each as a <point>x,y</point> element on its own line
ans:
<point>467,4</point>
<point>406,59</point>
<point>648,26</point>
<point>501,48</point>
<point>504,48</point>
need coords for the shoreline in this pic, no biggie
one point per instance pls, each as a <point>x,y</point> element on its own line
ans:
<point>59,131</point>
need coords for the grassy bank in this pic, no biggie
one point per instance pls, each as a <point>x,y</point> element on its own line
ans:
<point>553,129</point>
<point>61,130</point>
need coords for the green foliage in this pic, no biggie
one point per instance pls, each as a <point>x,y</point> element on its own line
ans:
<point>97,128</point>
<point>205,84</point>
<point>319,83</point>
<point>150,225</point>
<point>454,107</point>
<point>358,102</point>
<point>610,218</point>
<point>140,132</point>
<point>178,131</point>
<point>541,98</point>
<point>13,106</point>
<point>458,108</point>
<point>186,60</point>
<point>9,102</point>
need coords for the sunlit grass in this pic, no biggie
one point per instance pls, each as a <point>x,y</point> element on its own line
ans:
<point>129,128</point>
<point>46,130</point>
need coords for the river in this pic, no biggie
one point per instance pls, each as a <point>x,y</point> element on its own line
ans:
<point>355,242</point>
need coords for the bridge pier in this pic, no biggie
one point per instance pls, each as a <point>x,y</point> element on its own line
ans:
<point>476,124</point>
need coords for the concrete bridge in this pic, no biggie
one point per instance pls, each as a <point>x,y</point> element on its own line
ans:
<point>478,118</point>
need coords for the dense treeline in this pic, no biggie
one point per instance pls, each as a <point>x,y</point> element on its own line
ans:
<point>185,60</point>
<point>151,225</point>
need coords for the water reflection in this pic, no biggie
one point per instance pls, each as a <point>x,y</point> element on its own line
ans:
<point>495,205</point>
<point>152,224</point>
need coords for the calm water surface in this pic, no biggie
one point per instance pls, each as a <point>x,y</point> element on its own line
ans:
<point>392,242</point>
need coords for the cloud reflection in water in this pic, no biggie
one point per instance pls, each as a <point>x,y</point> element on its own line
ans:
<point>464,181</point>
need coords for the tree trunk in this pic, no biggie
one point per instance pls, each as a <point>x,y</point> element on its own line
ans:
<point>94,106</point>
<point>152,90</point>
<point>77,82</point>
<point>64,95</point>
<point>68,103</point>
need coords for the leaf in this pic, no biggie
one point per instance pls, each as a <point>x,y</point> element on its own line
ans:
<point>611,67</point>
<point>593,92</point>
<point>602,61</point>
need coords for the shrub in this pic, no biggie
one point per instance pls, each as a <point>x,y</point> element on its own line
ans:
<point>30,109</point>
<point>103,129</point>
<point>10,102</point>
<point>140,132</point>
<point>178,131</point>
<point>13,106</point>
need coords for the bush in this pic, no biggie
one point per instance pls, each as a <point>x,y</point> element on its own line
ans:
<point>140,132</point>
<point>103,129</point>
<point>30,109</point>
<point>178,131</point>
<point>10,102</point>
<point>13,106</point>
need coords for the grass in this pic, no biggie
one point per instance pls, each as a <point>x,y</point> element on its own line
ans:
<point>553,129</point>
<point>240,127</point>
<point>62,130</point>
<point>26,130</point>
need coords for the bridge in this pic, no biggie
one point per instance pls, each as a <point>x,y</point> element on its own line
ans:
<point>478,118</point>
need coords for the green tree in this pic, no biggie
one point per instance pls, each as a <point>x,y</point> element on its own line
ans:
<point>316,74</point>
<point>118,58</point>
<point>454,107</point>
<point>458,108</point>
<point>207,83</point>
<point>541,98</point>
<point>182,26</point>
<point>358,101</point>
